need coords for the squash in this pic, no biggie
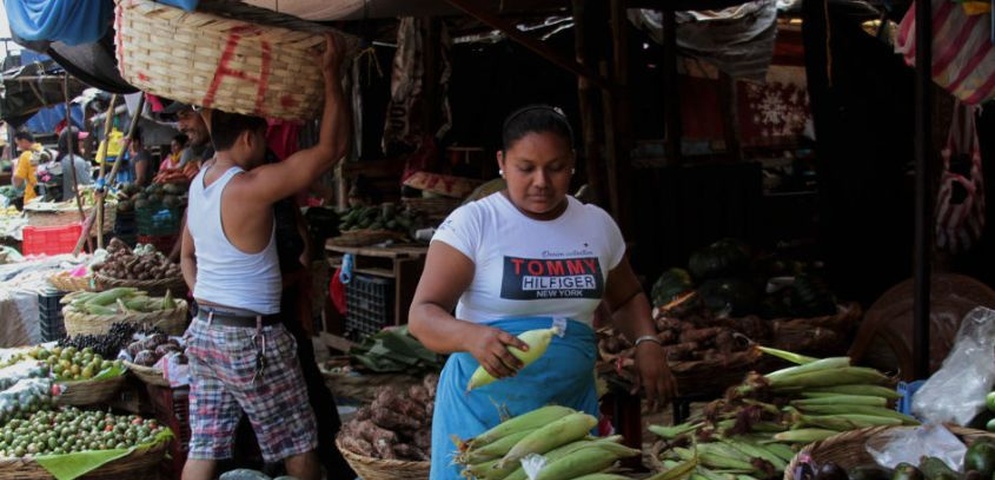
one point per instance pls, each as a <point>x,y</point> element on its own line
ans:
<point>811,297</point>
<point>725,258</point>
<point>671,283</point>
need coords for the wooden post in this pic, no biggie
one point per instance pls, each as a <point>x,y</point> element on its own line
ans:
<point>585,101</point>
<point>729,103</point>
<point>621,116</point>
<point>924,207</point>
<point>671,97</point>
<point>72,166</point>
<point>102,155</point>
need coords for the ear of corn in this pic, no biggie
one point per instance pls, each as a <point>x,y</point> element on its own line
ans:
<point>816,366</point>
<point>842,400</point>
<point>805,435</point>
<point>527,421</point>
<point>537,340</point>
<point>756,451</point>
<point>560,432</point>
<point>602,476</point>
<point>864,410</point>
<point>676,470</point>
<point>871,390</point>
<point>577,463</point>
<point>495,449</point>
<point>829,377</point>
<point>670,433</point>
<point>844,422</point>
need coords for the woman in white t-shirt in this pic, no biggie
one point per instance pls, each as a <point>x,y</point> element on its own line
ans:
<point>528,257</point>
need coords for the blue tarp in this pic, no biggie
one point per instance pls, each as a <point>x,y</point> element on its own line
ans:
<point>72,22</point>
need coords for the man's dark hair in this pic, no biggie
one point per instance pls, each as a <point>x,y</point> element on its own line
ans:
<point>226,127</point>
<point>69,142</point>
<point>535,119</point>
<point>24,135</point>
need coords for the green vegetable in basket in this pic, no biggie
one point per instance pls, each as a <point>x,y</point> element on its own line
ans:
<point>980,457</point>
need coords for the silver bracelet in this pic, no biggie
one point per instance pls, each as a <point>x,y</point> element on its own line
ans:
<point>648,338</point>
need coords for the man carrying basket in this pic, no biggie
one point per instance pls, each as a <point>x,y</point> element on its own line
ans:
<point>241,356</point>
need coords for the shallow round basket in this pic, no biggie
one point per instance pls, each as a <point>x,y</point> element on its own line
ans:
<point>89,392</point>
<point>172,322</point>
<point>142,463</point>
<point>66,283</point>
<point>849,449</point>
<point>148,375</point>
<point>369,468</point>
<point>365,238</point>
<point>225,55</point>
<point>153,287</point>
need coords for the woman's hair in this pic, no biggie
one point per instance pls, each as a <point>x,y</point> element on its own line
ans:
<point>535,119</point>
<point>226,127</point>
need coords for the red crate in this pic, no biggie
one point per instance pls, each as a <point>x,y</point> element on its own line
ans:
<point>51,240</point>
<point>172,409</point>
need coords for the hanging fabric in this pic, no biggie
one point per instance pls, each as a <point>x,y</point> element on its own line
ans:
<point>72,22</point>
<point>960,212</point>
<point>963,54</point>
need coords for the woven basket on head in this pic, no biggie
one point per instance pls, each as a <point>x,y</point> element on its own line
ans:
<point>225,55</point>
<point>90,392</point>
<point>176,285</point>
<point>849,449</point>
<point>172,322</point>
<point>369,468</point>
<point>148,375</point>
<point>142,463</point>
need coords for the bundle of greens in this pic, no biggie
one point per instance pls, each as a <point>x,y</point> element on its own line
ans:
<point>394,350</point>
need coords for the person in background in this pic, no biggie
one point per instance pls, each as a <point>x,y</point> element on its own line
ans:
<point>241,355</point>
<point>199,148</point>
<point>24,179</point>
<point>139,161</point>
<point>74,166</point>
<point>176,147</point>
<point>529,257</point>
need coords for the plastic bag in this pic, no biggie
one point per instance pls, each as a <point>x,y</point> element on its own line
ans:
<point>956,392</point>
<point>897,445</point>
<point>26,396</point>
<point>21,370</point>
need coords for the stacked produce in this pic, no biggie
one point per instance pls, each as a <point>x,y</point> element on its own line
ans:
<point>552,442</point>
<point>116,301</point>
<point>149,350</point>
<point>71,430</point>
<point>143,262</point>
<point>379,217</point>
<point>68,364</point>
<point>978,463</point>
<point>396,425</point>
<point>753,430</point>
<point>107,345</point>
<point>26,396</point>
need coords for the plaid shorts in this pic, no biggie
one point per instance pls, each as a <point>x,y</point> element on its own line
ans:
<point>226,380</point>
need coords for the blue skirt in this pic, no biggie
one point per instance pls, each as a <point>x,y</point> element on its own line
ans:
<point>564,375</point>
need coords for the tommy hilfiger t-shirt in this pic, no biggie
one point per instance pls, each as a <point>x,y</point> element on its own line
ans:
<point>527,267</point>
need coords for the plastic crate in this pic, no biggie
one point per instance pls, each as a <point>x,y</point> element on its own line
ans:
<point>172,408</point>
<point>50,315</point>
<point>51,240</point>
<point>369,305</point>
<point>158,220</point>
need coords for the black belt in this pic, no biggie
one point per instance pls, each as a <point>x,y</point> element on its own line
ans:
<point>229,320</point>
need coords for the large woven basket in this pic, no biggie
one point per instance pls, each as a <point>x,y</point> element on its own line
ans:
<point>369,468</point>
<point>90,392</point>
<point>67,283</point>
<point>172,322</point>
<point>65,213</point>
<point>225,55</point>
<point>176,285</point>
<point>849,449</point>
<point>148,375</point>
<point>142,463</point>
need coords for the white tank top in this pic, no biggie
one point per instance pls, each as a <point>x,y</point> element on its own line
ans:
<point>225,274</point>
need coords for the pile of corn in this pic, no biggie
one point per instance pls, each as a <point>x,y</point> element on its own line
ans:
<point>754,431</point>
<point>116,301</point>
<point>555,440</point>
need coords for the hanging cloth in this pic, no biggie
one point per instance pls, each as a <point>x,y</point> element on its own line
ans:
<point>960,204</point>
<point>72,22</point>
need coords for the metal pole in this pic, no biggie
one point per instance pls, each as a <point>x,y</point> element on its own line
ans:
<point>924,200</point>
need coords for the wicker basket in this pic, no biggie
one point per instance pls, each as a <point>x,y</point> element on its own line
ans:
<point>363,387</point>
<point>142,463</point>
<point>65,213</point>
<point>176,285</point>
<point>66,283</point>
<point>365,238</point>
<point>369,468</point>
<point>848,449</point>
<point>148,375</point>
<point>90,392</point>
<point>225,55</point>
<point>172,322</point>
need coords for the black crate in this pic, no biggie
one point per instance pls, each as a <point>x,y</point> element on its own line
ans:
<point>369,305</point>
<point>50,315</point>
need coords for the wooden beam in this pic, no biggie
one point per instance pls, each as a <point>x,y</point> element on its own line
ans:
<point>472,8</point>
<point>585,99</point>
<point>620,104</point>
